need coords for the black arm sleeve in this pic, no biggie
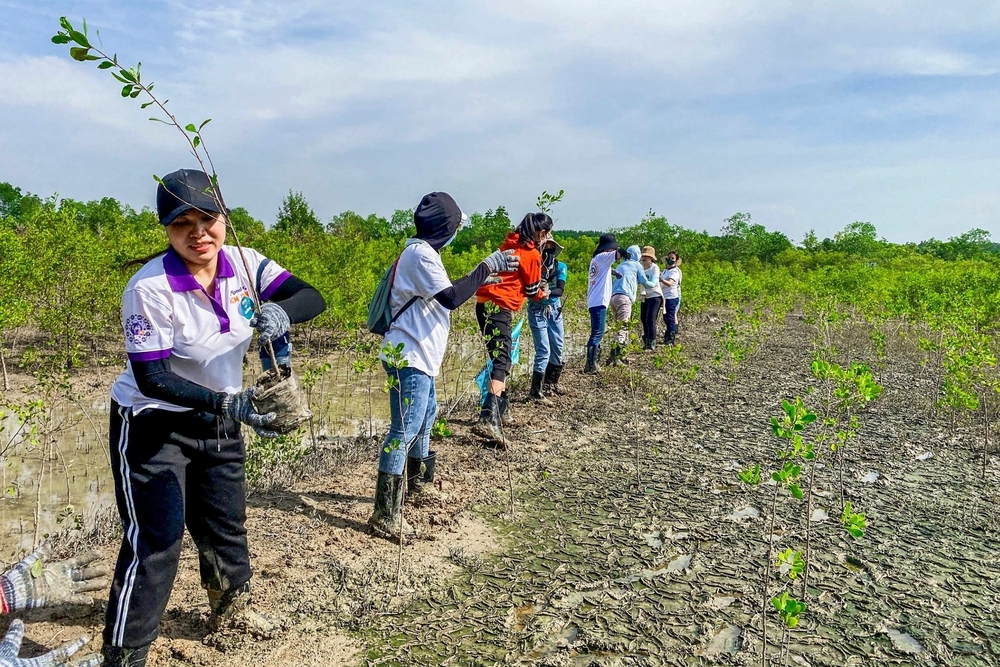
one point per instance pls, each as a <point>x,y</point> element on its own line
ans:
<point>463,288</point>
<point>156,380</point>
<point>299,299</point>
<point>558,289</point>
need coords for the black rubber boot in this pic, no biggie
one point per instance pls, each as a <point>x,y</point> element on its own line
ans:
<point>503,405</point>
<point>591,366</point>
<point>116,656</point>
<point>552,373</point>
<point>537,377</point>
<point>615,358</point>
<point>488,426</point>
<point>420,480</point>
<point>387,519</point>
<point>231,611</point>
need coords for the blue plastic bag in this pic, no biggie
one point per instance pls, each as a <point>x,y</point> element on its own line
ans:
<point>483,379</point>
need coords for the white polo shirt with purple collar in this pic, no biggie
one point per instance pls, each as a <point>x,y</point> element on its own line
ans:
<point>167,314</point>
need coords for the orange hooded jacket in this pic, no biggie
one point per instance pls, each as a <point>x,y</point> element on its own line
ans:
<point>515,286</point>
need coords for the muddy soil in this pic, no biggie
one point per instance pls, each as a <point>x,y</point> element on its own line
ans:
<point>599,568</point>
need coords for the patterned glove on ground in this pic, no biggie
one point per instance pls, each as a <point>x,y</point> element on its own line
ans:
<point>271,323</point>
<point>239,407</point>
<point>33,583</point>
<point>61,657</point>
<point>501,261</point>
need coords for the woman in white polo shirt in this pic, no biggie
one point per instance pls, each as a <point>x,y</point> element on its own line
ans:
<point>176,449</point>
<point>421,300</point>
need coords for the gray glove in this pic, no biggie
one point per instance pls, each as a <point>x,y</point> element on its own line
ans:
<point>240,408</point>
<point>33,583</point>
<point>271,323</point>
<point>502,261</point>
<point>60,657</point>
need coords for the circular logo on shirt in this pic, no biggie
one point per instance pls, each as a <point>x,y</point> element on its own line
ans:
<point>137,329</point>
<point>246,307</point>
<point>593,270</point>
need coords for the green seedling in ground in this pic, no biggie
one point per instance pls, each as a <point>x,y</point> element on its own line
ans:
<point>855,523</point>
<point>750,476</point>
<point>793,560</point>
<point>789,609</point>
<point>440,429</point>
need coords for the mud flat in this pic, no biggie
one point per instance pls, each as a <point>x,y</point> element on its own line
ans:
<point>597,568</point>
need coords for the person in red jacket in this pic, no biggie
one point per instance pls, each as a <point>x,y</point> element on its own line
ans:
<point>496,304</point>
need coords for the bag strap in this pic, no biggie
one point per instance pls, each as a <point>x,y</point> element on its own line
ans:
<point>391,283</point>
<point>260,273</point>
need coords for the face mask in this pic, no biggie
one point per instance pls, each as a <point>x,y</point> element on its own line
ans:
<point>670,262</point>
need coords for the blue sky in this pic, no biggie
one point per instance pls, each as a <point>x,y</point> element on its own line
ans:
<point>807,114</point>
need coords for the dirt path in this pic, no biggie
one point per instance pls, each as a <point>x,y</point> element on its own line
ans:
<point>598,570</point>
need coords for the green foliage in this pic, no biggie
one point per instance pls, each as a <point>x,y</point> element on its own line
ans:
<point>855,523</point>
<point>751,475</point>
<point>296,218</point>
<point>440,429</point>
<point>485,231</point>
<point>791,562</point>
<point>789,609</point>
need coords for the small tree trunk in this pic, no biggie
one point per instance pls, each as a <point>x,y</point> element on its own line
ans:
<point>986,436</point>
<point>767,579</point>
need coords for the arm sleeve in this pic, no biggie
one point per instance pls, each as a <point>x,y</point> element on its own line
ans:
<point>643,280</point>
<point>156,380</point>
<point>463,289</point>
<point>557,291</point>
<point>299,299</point>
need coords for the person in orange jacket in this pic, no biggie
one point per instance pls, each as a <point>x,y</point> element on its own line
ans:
<point>496,304</point>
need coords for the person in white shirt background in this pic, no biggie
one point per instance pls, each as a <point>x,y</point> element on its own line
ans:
<point>421,299</point>
<point>599,295</point>
<point>670,279</point>
<point>178,457</point>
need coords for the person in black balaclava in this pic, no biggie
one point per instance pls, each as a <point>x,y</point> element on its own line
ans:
<point>421,299</point>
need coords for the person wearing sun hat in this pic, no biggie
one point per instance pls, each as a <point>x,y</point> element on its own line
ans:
<point>651,298</point>
<point>177,452</point>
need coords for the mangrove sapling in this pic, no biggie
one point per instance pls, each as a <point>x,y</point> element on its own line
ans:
<point>395,362</point>
<point>855,523</point>
<point>795,419</point>
<point>131,77</point>
<point>787,477</point>
<point>970,377</point>
<point>848,391</point>
<point>310,376</point>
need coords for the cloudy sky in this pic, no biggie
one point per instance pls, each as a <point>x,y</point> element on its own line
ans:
<point>806,113</point>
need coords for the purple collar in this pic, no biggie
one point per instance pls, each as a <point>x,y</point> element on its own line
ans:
<point>180,280</point>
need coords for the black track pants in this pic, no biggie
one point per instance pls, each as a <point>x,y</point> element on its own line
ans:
<point>170,469</point>
<point>649,312</point>
<point>495,327</point>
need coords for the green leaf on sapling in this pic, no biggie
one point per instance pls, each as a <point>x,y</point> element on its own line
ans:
<point>107,64</point>
<point>60,38</point>
<point>190,127</point>
<point>78,53</point>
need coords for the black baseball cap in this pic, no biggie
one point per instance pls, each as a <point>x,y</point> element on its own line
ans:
<point>181,191</point>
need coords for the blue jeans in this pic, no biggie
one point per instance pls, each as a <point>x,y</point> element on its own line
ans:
<point>598,320</point>
<point>547,333</point>
<point>413,408</point>
<point>670,319</point>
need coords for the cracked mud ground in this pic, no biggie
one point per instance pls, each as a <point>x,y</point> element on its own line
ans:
<point>597,569</point>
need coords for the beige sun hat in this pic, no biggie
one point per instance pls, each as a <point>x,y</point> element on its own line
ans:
<point>649,251</point>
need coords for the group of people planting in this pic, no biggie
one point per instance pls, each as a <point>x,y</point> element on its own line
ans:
<point>188,316</point>
<point>615,287</point>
